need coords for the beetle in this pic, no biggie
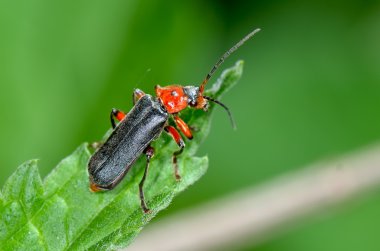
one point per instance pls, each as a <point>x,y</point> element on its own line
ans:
<point>132,136</point>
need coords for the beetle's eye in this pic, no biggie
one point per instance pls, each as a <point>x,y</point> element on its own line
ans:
<point>205,107</point>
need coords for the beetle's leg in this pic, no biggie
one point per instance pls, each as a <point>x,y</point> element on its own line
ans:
<point>119,115</point>
<point>183,127</point>
<point>116,114</point>
<point>178,139</point>
<point>149,152</point>
<point>137,94</point>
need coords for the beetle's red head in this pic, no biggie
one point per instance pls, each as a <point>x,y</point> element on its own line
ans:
<point>175,98</point>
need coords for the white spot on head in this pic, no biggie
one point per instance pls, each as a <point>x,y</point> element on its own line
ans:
<point>174,93</point>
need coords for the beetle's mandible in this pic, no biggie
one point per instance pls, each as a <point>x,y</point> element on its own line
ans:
<point>149,116</point>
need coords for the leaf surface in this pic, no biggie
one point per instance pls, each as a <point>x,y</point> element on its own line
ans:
<point>61,213</point>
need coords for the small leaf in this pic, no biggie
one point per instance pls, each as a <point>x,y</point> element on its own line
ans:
<point>22,196</point>
<point>25,186</point>
<point>62,214</point>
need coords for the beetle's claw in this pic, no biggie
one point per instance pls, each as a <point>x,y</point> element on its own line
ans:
<point>147,211</point>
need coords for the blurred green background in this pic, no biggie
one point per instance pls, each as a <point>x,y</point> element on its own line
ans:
<point>310,89</point>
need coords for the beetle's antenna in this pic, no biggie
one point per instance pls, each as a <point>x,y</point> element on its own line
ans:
<point>225,55</point>
<point>225,108</point>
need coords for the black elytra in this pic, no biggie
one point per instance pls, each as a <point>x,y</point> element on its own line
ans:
<point>129,139</point>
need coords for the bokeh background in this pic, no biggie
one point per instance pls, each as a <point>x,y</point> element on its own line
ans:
<point>310,90</point>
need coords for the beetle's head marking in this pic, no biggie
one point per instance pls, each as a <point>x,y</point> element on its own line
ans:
<point>195,97</point>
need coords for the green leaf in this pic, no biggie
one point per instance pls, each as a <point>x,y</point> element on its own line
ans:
<point>62,214</point>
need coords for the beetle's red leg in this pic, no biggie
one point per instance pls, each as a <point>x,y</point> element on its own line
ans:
<point>149,152</point>
<point>119,115</point>
<point>178,139</point>
<point>115,113</point>
<point>183,127</point>
<point>137,94</point>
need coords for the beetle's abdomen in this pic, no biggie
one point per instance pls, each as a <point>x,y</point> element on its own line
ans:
<point>132,135</point>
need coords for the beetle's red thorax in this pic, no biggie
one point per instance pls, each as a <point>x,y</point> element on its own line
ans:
<point>172,97</point>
